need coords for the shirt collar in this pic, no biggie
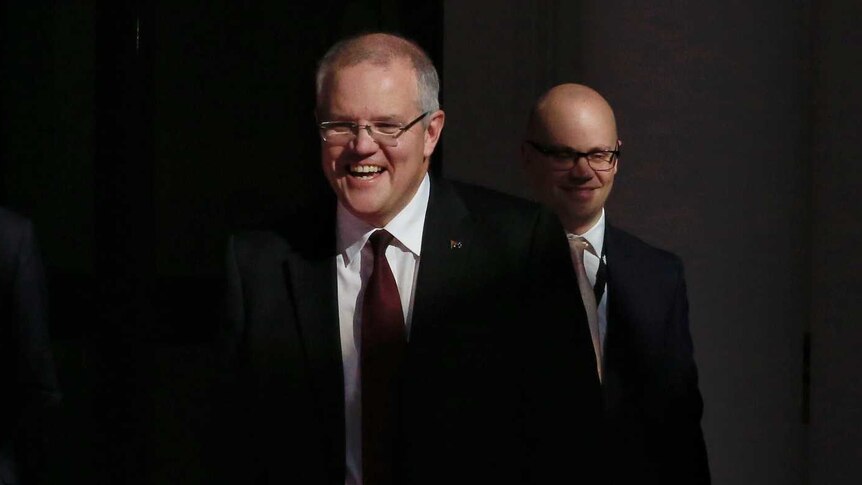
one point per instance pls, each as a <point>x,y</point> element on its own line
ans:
<point>407,226</point>
<point>596,234</point>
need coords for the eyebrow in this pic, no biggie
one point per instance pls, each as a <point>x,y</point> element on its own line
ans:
<point>384,118</point>
<point>566,148</point>
<point>389,119</point>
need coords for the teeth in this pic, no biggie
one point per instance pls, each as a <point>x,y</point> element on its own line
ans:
<point>366,169</point>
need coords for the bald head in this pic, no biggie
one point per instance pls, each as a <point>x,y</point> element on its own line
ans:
<point>571,104</point>
<point>569,124</point>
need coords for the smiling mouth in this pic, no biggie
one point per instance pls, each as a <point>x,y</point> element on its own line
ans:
<point>365,172</point>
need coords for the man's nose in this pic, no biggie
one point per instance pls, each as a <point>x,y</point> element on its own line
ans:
<point>581,169</point>
<point>363,142</point>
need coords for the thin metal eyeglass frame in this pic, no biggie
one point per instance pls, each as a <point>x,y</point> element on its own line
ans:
<point>575,155</point>
<point>384,138</point>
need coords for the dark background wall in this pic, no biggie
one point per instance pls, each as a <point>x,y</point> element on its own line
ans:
<point>835,444</point>
<point>136,135</point>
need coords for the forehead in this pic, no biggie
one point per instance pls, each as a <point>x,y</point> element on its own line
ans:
<point>577,125</point>
<point>371,89</point>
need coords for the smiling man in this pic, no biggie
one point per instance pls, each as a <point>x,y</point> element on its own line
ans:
<point>411,329</point>
<point>376,169</point>
<point>634,293</point>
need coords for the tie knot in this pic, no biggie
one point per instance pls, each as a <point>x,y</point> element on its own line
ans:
<point>379,241</point>
<point>580,243</point>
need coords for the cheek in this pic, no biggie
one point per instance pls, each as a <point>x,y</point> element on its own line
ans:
<point>412,150</point>
<point>404,159</point>
<point>550,190</point>
<point>329,158</point>
<point>556,179</point>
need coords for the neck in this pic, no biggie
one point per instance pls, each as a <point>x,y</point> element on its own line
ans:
<point>580,226</point>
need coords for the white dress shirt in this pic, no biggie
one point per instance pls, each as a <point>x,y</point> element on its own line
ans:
<point>353,268</point>
<point>596,237</point>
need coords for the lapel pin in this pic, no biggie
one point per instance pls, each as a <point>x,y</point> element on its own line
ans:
<point>453,244</point>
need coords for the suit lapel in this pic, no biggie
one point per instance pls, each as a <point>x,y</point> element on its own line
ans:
<point>618,265</point>
<point>616,262</point>
<point>446,245</point>
<point>310,271</point>
<point>623,270</point>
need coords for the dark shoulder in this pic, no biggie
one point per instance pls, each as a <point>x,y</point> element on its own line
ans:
<point>16,241</point>
<point>624,243</point>
<point>257,241</point>
<point>13,229</point>
<point>512,222</point>
<point>307,228</point>
<point>484,201</point>
<point>12,222</point>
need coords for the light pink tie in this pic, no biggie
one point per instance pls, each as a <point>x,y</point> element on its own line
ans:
<point>577,245</point>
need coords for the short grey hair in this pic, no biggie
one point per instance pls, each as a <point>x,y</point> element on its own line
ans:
<point>382,49</point>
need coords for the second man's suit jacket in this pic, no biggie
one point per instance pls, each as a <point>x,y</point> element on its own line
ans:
<point>653,406</point>
<point>498,383</point>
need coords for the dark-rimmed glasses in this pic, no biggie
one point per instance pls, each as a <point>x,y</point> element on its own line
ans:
<point>566,158</point>
<point>383,132</point>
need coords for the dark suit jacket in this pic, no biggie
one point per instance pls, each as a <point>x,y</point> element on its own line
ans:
<point>652,403</point>
<point>27,379</point>
<point>493,336</point>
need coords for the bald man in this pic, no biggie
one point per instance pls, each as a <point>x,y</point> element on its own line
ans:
<point>652,405</point>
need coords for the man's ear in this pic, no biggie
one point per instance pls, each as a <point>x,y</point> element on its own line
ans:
<point>619,157</point>
<point>436,120</point>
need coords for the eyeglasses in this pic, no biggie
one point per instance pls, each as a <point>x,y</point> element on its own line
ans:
<point>566,158</point>
<point>384,133</point>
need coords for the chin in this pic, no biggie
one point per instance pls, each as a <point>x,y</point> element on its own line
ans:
<point>366,212</point>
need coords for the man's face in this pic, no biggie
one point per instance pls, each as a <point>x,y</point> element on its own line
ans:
<point>373,181</point>
<point>576,195</point>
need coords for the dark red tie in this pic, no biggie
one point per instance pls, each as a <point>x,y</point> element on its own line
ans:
<point>383,342</point>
